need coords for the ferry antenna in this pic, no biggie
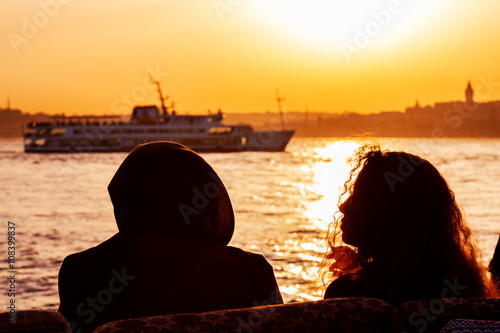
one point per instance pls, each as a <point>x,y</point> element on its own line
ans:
<point>279,100</point>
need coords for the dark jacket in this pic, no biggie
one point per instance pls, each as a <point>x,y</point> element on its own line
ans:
<point>155,275</point>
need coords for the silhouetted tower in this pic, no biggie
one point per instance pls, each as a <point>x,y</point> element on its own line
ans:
<point>469,93</point>
<point>8,103</point>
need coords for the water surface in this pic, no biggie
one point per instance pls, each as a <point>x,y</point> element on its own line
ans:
<point>283,203</point>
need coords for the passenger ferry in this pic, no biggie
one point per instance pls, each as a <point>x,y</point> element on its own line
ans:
<point>202,133</point>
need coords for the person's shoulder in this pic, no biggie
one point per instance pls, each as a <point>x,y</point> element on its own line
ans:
<point>343,286</point>
<point>76,259</point>
<point>266,289</point>
<point>255,258</point>
<point>94,254</point>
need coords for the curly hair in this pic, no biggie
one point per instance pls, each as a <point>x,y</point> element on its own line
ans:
<point>400,233</point>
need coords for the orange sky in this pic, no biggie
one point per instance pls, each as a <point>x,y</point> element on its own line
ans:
<point>93,57</point>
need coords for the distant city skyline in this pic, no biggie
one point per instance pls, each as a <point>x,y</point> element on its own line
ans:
<point>468,97</point>
<point>93,57</point>
<point>465,117</point>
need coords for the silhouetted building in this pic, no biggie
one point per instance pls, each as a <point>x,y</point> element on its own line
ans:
<point>469,93</point>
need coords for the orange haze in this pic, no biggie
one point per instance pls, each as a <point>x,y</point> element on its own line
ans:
<point>95,57</point>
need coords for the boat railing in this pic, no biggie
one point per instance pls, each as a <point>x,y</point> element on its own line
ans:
<point>79,121</point>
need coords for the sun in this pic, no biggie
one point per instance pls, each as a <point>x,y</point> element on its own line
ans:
<point>331,22</point>
<point>313,20</point>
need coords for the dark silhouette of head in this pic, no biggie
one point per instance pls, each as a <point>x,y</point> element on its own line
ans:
<point>397,199</point>
<point>403,224</point>
<point>166,188</point>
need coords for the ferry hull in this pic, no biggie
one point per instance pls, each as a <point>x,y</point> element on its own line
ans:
<point>257,144</point>
<point>268,140</point>
<point>114,149</point>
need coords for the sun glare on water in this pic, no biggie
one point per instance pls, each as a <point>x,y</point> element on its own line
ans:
<point>330,173</point>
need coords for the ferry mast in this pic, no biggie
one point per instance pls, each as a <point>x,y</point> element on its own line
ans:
<point>279,100</point>
<point>162,100</point>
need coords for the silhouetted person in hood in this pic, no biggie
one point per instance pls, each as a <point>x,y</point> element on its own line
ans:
<point>170,255</point>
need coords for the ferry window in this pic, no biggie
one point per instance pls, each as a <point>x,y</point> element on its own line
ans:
<point>40,142</point>
<point>188,130</point>
<point>43,132</point>
<point>28,133</point>
<point>77,131</point>
<point>152,130</point>
<point>57,131</point>
<point>220,130</point>
<point>164,130</point>
<point>139,131</point>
